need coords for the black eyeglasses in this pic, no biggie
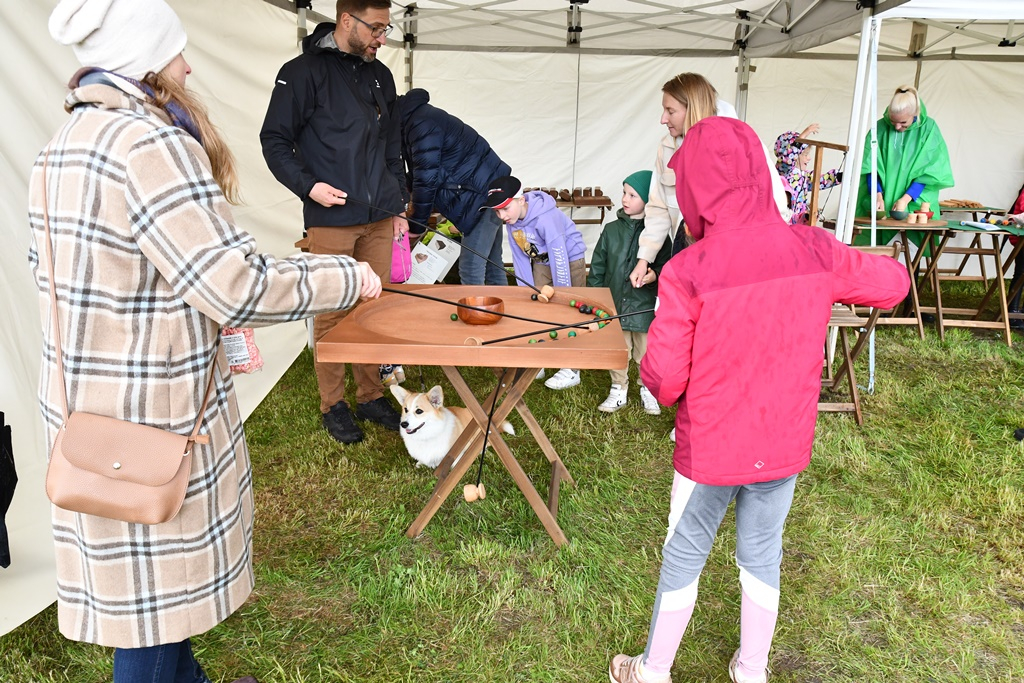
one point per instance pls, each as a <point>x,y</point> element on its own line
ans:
<point>375,31</point>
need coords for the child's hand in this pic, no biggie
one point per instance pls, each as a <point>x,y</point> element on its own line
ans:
<point>1017,218</point>
<point>649,277</point>
<point>810,130</point>
<point>636,277</point>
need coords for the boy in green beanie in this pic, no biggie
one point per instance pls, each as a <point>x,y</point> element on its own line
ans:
<point>610,266</point>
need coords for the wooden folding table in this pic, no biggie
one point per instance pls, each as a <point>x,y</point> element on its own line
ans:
<point>407,330</point>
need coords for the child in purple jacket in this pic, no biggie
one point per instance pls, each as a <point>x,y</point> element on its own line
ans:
<point>547,247</point>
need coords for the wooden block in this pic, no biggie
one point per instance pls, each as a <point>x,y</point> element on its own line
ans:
<point>588,192</point>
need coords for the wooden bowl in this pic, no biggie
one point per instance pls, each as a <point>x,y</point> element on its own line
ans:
<point>471,317</point>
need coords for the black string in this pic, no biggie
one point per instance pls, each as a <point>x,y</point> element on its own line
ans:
<point>438,232</point>
<point>562,327</point>
<point>487,434</point>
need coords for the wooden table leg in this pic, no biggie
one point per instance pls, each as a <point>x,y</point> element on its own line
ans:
<point>514,383</point>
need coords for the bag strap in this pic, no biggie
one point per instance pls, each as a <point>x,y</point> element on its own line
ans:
<point>193,437</point>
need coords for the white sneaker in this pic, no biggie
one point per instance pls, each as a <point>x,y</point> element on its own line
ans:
<point>540,374</point>
<point>672,435</point>
<point>616,399</point>
<point>563,379</point>
<point>651,406</point>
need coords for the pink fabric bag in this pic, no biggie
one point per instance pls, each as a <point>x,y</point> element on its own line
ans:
<point>401,260</point>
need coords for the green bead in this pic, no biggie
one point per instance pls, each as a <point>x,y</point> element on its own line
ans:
<point>553,334</point>
<point>573,303</point>
<point>533,341</point>
<point>455,316</point>
<point>600,325</point>
<point>572,333</point>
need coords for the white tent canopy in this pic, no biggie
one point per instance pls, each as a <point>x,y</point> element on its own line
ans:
<point>560,115</point>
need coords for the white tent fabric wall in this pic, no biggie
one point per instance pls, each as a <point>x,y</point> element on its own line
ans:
<point>235,50</point>
<point>524,103</point>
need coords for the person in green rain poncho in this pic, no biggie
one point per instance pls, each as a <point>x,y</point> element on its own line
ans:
<point>913,163</point>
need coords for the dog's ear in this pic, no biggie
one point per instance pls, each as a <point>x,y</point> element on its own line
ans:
<point>436,396</point>
<point>399,393</point>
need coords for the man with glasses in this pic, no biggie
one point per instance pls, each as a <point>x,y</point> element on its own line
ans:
<point>332,136</point>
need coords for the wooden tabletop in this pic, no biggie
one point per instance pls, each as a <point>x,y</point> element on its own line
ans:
<point>408,330</point>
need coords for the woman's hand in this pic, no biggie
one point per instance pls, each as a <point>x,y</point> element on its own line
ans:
<point>370,282</point>
<point>636,277</point>
<point>902,203</point>
<point>879,201</point>
<point>649,277</point>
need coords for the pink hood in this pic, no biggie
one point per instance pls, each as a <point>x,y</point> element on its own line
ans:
<point>722,177</point>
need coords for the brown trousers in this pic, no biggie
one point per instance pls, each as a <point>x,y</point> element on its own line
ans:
<point>370,243</point>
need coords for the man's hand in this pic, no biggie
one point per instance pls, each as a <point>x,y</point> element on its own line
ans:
<point>400,225</point>
<point>636,277</point>
<point>369,280</point>
<point>325,195</point>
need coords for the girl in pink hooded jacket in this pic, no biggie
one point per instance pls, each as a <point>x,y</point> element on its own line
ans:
<point>737,344</point>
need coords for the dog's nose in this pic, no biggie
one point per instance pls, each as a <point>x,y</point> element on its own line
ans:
<point>405,425</point>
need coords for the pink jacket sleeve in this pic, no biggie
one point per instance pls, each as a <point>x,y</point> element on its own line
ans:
<point>867,279</point>
<point>665,368</point>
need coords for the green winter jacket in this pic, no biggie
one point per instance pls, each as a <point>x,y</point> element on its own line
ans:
<point>614,258</point>
<point>918,154</point>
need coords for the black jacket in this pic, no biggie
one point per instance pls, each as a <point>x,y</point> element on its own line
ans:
<point>331,118</point>
<point>449,165</point>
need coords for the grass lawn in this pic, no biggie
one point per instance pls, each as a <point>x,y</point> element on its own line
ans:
<point>904,550</point>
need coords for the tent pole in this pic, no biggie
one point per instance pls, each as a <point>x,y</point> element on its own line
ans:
<point>743,68</point>
<point>851,169</point>
<point>408,67</point>
<point>742,84</point>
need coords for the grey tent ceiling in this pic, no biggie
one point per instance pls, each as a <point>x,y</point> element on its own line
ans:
<point>708,28</point>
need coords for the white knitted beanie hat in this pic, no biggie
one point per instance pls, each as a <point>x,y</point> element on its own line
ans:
<point>128,37</point>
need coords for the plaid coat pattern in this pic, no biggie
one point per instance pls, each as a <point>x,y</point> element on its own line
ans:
<point>148,266</point>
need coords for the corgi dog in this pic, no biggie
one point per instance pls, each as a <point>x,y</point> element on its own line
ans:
<point>428,428</point>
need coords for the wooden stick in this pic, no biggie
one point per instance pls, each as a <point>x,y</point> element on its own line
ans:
<point>586,323</point>
<point>458,305</point>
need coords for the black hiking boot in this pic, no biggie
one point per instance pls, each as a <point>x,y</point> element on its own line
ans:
<point>339,424</point>
<point>380,411</point>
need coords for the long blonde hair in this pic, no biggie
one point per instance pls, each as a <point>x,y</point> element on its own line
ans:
<point>222,161</point>
<point>694,92</point>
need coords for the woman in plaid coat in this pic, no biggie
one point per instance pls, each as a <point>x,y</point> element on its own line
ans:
<point>149,265</point>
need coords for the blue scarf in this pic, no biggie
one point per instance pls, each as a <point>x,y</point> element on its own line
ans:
<point>179,117</point>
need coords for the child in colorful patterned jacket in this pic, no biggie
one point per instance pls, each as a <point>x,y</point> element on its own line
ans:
<point>794,165</point>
